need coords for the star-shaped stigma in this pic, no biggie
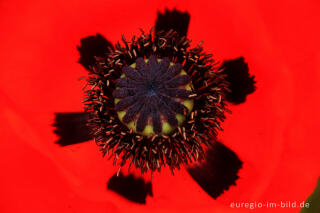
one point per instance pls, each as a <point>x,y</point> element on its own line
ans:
<point>153,93</point>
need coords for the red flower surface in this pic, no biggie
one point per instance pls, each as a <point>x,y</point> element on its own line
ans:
<point>275,133</point>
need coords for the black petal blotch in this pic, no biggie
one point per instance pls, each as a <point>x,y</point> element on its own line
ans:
<point>91,47</point>
<point>173,19</point>
<point>218,171</point>
<point>71,128</point>
<point>132,188</point>
<point>241,82</point>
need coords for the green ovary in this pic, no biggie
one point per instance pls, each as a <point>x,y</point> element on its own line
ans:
<point>166,127</point>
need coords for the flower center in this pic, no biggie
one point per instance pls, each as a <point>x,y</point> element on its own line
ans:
<point>153,96</point>
<point>152,88</point>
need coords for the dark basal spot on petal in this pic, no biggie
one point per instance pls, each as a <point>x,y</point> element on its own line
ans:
<point>241,83</point>
<point>92,46</point>
<point>71,128</point>
<point>218,171</point>
<point>130,187</point>
<point>173,19</point>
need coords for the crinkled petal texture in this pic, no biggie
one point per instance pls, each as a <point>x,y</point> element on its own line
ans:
<point>274,132</point>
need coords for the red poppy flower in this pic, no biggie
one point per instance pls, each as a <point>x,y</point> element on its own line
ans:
<point>273,133</point>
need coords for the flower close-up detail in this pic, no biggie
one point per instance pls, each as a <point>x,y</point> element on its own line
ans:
<point>155,101</point>
<point>159,106</point>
